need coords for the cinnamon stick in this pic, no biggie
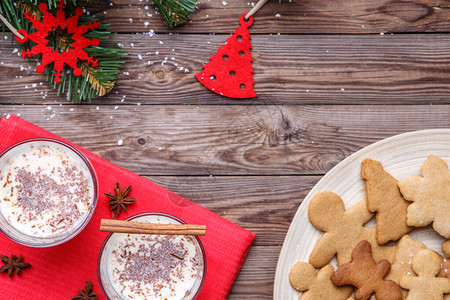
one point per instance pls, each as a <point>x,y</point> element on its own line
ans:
<point>118,226</point>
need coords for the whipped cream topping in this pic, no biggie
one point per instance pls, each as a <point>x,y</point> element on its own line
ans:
<point>154,266</point>
<point>45,190</point>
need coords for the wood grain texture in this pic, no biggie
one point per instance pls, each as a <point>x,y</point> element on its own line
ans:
<point>265,205</point>
<point>398,69</point>
<point>255,281</point>
<point>298,16</point>
<point>230,140</point>
<point>252,161</point>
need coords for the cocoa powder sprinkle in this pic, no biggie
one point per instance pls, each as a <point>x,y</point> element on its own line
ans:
<point>61,192</point>
<point>158,261</point>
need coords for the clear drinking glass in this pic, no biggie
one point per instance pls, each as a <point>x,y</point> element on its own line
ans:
<point>104,265</point>
<point>8,229</point>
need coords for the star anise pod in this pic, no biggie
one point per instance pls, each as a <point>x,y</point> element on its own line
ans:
<point>120,200</point>
<point>13,263</point>
<point>87,293</point>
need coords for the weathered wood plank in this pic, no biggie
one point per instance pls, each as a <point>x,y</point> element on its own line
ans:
<point>264,205</point>
<point>299,16</point>
<point>230,140</point>
<point>398,69</point>
<point>255,281</point>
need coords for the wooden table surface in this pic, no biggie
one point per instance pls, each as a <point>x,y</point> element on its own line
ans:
<point>332,77</point>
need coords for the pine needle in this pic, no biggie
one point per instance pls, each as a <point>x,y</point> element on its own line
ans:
<point>102,87</point>
<point>175,12</point>
<point>93,82</point>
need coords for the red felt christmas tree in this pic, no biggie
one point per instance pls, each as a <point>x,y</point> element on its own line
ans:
<point>229,72</point>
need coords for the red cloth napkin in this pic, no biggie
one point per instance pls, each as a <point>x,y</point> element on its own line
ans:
<point>58,272</point>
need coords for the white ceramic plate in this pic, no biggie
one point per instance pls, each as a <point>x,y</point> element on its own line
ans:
<point>401,155</point>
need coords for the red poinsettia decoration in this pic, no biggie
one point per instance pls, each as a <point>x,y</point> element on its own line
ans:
<point>46,27</point>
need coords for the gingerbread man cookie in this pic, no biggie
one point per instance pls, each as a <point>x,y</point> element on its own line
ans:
<point>446,261</point>
<point>426,264</point>
<point>316,286</point>
<point>446,247</point>
<point>445,271</point>
<point>363,273</point>
<point>430,195</point>
<point>406,248</point>
<point>343,230</point>
<point>383,197</point>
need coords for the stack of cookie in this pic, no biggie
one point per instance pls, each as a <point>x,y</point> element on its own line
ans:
<point>406,270</point>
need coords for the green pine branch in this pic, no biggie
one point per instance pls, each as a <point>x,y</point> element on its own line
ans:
<point>94,81</point>
<point>175,12</point>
